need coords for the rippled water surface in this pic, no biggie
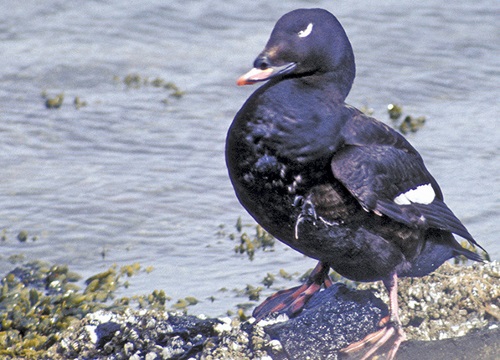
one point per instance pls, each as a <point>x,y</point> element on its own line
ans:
<point>140,175</point>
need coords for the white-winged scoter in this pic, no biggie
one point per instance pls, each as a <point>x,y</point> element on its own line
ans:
<point>330,181</point>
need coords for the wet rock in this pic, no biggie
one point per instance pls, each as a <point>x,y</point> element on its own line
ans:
<point>105,332</point>
<point>332,320</point>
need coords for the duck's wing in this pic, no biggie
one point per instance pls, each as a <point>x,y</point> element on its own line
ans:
<point>388,176</point>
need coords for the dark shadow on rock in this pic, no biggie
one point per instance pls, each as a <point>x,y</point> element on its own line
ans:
<point>331,320</point>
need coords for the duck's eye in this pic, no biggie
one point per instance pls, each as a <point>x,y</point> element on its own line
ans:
<point>306,31</point>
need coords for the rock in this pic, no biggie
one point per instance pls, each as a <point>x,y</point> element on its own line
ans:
<point>331,320</point>
<point>481,344</point>
<point>105,332</point>
<point>131,335</point>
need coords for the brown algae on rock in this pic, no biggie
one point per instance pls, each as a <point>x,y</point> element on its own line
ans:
<point>79,103</point>
<point>261,239</point>
<point>22,236</point>
<point>409,123</point>
<point>394,111</point>
<point>54,102</point>
<point>136,81</point>
<point>39,301</point>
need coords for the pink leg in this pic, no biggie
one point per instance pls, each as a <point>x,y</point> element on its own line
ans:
<point>392,329</point>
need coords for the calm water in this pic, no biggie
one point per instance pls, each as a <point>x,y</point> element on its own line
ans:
<point>146,181</point>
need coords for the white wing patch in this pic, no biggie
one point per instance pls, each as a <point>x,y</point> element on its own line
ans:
<point>307,31</point>
<point>423,194</point>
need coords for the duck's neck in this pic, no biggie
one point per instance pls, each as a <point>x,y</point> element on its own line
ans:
<point>336,84</point>
<point>332,87</point>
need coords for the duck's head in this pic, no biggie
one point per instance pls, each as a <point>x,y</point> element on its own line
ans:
<point>305,42</point>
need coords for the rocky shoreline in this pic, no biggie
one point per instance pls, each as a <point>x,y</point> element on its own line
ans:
<point>155,335</point>
<point>461,304</point>
<point>452,313</point>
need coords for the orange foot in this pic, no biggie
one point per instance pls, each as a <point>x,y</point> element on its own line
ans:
<point>292,301</point>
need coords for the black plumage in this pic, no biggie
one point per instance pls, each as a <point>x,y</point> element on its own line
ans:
<point>326,179</point>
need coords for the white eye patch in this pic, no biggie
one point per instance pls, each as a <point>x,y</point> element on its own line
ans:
<point>306,31</point>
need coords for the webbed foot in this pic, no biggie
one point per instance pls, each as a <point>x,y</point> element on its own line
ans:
<point>292,301</point>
